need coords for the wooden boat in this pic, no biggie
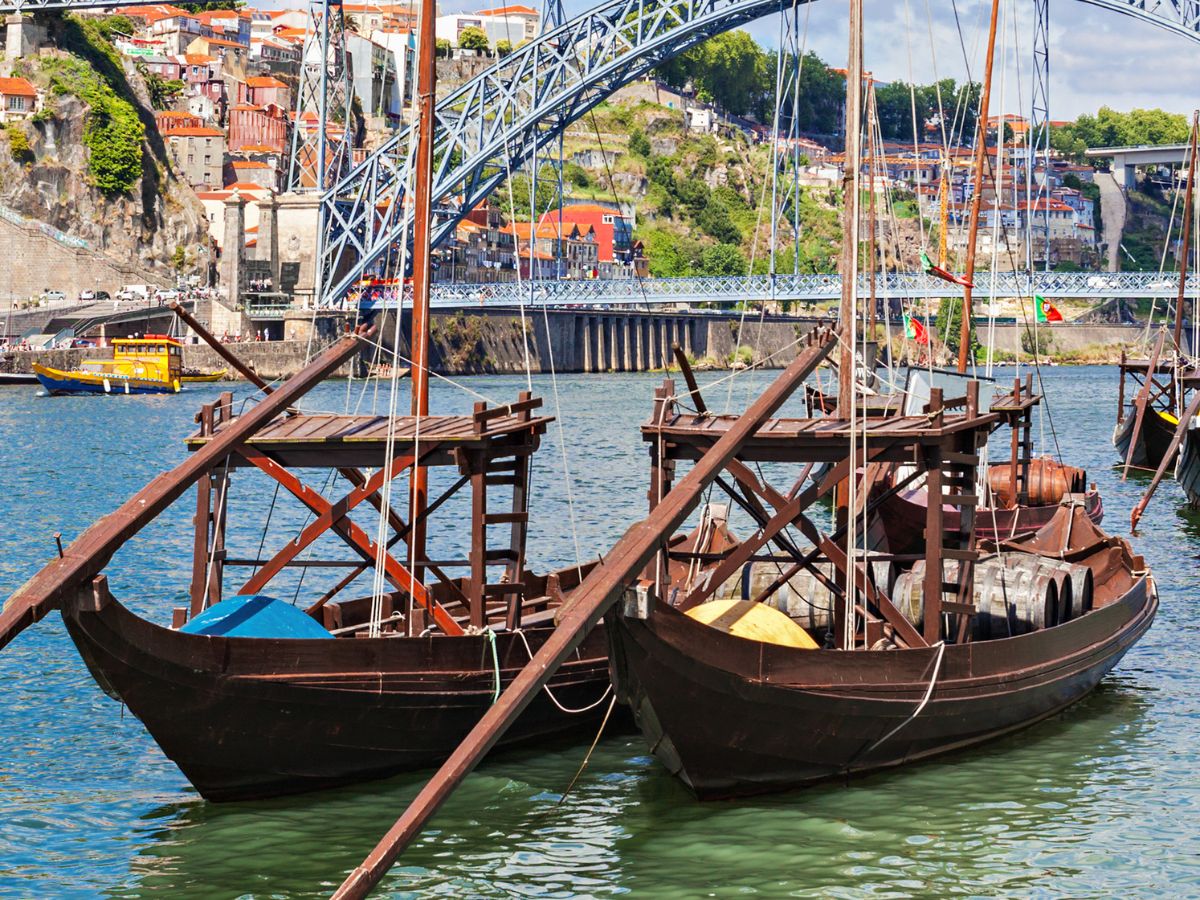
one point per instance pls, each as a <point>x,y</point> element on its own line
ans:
<point>195,376</point>
<point>246,718</point>
<point>8,379</point>
<point>1187,466</point>
<point>1151,443</point>
<point>778,717</point>
<point>147,365</point>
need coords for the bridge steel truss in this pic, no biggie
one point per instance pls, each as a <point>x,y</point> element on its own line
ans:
<point>497,121</point>
<point>731,289</point>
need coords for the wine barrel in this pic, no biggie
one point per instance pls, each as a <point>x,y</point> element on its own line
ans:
<point>803,597</point>
<point>1049,480</point>
<point>1008,600</point>
<point>1075,583</point>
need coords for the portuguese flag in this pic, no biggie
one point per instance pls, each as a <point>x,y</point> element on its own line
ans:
<point>914,330</point>
<point>939,272</point>
<point>1046,311</point>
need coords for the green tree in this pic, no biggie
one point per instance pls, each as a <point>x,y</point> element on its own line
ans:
<point>576,175</point>
<point>443,47</point>
<point>162,92</point>
<point>504,47</point>
<point>18,143</point>
<point>473,39</point>
<point>639,144</point>
<point>728,69</point>
<point>112,26</point>
<point>723,259</point>
<point>949,322</point>
<point>714,220</point>
<point>218,4</point>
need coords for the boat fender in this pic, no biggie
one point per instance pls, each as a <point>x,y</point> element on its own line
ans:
<point>107,387</point>
<point>176,385</point>
<point>753,622</point>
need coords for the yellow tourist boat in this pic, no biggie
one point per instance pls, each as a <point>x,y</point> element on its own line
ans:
<point>147,365</point>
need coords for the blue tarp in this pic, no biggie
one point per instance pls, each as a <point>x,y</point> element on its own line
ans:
<point>256,616</point>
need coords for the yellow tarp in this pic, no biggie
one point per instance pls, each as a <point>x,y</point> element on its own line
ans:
<point>752,621</point>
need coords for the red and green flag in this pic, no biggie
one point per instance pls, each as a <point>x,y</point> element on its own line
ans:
<point>939,272</point>
<point>1046,311</point>
<point>914,330</point>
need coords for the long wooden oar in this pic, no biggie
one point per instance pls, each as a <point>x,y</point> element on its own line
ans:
<point>1180,430</point>
<point>588,603</point>
<point>91,551</point>
<point>1141,402</point>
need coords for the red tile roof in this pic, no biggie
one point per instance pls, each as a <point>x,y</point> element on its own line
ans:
<point>17,87</point>
<point>508,11</point>
<point>196,132</point>
<point>264,81</point>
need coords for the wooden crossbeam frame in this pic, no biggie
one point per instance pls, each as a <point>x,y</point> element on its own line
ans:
<point>355,537</point>
<point>336,512</point>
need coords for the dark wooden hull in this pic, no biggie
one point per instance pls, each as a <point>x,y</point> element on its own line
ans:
<point>903,518</point>
<point>1187,467</point>
<point>1153,444</point>
<point>248,718</point>
<point>775,717</point>
<point>17,378</point>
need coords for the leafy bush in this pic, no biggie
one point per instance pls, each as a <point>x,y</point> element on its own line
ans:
<point>110,27</point>
<point>742,356</point>
<point>1039,345</point>
<point>576,175</point>
<point>473,39</point>
<point>162,92</point>
<point>723,259</point>
<point>18,143</point>
<point>113,132</point>
<point>504,47</point>
<point>639,144</point>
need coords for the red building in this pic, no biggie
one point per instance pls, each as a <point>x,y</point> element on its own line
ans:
<point>254,126</point>
<point>617,254</point>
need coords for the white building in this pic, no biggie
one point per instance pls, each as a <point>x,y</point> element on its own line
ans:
<point>514,24</point>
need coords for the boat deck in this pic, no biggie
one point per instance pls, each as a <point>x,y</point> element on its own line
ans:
<point>326,439</point>
<point>688,435</point>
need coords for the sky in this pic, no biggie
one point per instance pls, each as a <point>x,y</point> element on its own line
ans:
<point>1097,57</point>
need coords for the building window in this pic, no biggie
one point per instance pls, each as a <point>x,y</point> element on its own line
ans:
<point>16,103</point>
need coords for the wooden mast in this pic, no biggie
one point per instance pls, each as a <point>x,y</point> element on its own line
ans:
<point>422,270</point>
<point>849,255</point>
<point>872,250</point>
<point>1188,212</point>
<point>964,332</point>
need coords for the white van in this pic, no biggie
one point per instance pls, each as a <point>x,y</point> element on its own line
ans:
<point>135,292</point>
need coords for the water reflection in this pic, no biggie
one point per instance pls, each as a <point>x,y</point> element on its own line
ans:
<point>1043,810</point>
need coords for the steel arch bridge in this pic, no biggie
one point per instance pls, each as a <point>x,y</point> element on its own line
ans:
<point>498,120</point>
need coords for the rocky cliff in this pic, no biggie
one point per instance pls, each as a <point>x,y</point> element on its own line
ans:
<point>96,117</point>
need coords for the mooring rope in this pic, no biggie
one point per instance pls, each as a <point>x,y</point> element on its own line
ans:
<point>550,693</point>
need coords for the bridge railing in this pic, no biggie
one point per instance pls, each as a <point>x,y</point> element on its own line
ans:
<point>804,288</point>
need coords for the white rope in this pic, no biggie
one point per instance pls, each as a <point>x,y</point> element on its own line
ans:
<point>385,494</point>
<point>550,694</point>
<point>937,667</point>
